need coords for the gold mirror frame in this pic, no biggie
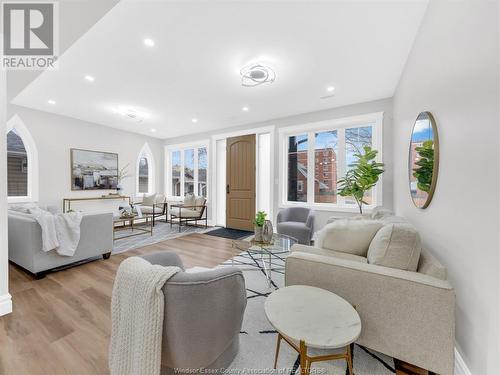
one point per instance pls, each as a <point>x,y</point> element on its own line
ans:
<point>435,167</point>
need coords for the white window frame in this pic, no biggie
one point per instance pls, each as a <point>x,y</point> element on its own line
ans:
<point>168,164</point>
<point>32,155</point>
<point>310,129</point>
<point>147,154</point>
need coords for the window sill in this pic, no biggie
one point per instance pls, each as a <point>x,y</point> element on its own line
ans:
<point>326,207</point>
<point>21,200</point>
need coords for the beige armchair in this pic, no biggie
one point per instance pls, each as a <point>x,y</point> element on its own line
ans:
<point>193,209</point>
<point>155,205</point>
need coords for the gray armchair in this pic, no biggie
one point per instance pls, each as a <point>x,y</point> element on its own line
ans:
<point>203,316</point>
<point>297,222</point>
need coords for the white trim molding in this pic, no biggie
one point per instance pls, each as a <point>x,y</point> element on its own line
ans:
<point>5,304</point>
<point>219,179</point>
<point>460,365</point>
<point>182,147</point>
<point>374,119</point>
<point>32,154</point>
<point>148,155</point>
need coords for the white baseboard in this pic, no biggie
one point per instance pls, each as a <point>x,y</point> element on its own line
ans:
<point>5,304</point>
<point>460,366</point>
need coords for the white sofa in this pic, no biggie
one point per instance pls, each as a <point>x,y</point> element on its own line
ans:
<point>25,242</point>
<point>405,303</point>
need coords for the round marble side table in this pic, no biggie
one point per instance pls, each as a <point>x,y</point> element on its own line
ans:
<point>308,317</point>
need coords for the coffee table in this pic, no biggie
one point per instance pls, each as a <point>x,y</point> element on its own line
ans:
<point>309,317</point>
<point>132,224</point>
<point>277,249</point>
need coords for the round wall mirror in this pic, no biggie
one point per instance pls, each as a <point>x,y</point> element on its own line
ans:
<point>423,160</point>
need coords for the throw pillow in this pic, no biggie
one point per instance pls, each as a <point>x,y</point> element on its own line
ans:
<point>149,200</point>
<point>397,246</point>
<point>189,200</point>
<point>348,236</point>
<point>199,202</point>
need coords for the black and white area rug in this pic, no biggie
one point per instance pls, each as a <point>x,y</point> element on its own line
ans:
<point>258,338</point>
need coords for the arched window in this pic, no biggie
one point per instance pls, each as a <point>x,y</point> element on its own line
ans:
<point>22,163</point>
<point>145,171</point>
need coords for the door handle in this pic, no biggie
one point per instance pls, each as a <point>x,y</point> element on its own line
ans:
<point>227,189</point>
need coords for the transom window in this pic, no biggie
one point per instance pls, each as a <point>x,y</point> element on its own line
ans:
<point>316,156</point>
<point>187,170</point>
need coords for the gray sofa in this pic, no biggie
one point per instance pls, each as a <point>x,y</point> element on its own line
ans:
<point>203,316</point>
<point>406,305</point>
<point>25,242</point>
<point>296,222</point>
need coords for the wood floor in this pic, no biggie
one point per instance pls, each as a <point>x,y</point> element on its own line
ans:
<point>61,324</point>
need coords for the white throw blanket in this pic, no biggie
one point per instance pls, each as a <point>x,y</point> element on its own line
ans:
<point>137,308</point>
<point>59,231</point>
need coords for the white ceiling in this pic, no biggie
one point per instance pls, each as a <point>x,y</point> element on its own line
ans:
<point>360,47</point>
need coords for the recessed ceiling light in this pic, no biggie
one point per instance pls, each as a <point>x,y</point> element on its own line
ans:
<point>153,130</point>
<point>89,78</point>
<point>51,101</point>
<point>330,88</point>
<point>244,109</point>
<point>149,42</point>
<point>194,120</point>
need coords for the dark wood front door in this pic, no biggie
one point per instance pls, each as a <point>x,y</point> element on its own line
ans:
<point>240,180</point>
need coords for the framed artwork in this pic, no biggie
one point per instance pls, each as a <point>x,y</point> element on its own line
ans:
<point>93,170</point>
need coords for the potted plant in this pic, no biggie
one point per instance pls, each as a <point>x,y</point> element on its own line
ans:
<point>122,175</point>
<point>363,176</point>
<point>258,223</point>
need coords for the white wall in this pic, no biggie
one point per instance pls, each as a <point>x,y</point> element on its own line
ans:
<point>453,72</point>
<point>384,105</point>
<point>5,300</point>
<point>54,135</point>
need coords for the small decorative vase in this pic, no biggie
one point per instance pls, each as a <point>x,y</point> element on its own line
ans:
<point>267,232</point>
<point>258,233</point>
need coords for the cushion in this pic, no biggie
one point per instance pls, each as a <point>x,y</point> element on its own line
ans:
<point>397,246</point>
<point>149,210</point>
<point>348,236</point>
<point>199,202</point>
<point>380,212</point>
<point>189,199</point>
<point>329,253</point>
<point>149,199</point>
<point>393,220</point>
<point>430,266</point>
<point>185,212</point>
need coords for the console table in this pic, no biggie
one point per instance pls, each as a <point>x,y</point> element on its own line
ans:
<point>67,201</point>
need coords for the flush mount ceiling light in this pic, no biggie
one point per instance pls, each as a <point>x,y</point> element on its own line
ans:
<point>51,101</point>
<point>256,74</point>
<point>89,78</point>
<point>244,109</point>
<point>131,113</point>
<point>330,89</point>
<point>194,120</point>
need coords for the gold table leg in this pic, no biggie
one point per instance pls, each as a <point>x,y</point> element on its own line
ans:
<point>278,342</point>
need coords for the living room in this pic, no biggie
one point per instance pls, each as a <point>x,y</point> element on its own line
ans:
<point>250,186</point>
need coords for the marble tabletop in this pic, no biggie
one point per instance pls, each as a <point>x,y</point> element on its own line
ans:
<point>319,317</point>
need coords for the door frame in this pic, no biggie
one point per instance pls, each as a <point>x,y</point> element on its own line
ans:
<point>222,137</point>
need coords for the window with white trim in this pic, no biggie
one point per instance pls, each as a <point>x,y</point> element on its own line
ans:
<point>22,163</point>
<point>316,156</point>
<point>145,172</point>
<point>187,171</point>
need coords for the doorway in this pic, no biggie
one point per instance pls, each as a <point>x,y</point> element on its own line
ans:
<point>240,182</point>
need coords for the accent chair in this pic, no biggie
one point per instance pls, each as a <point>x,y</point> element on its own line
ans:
<point>203,316</point>
<point>192,209</point>
<point>297,222</point>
